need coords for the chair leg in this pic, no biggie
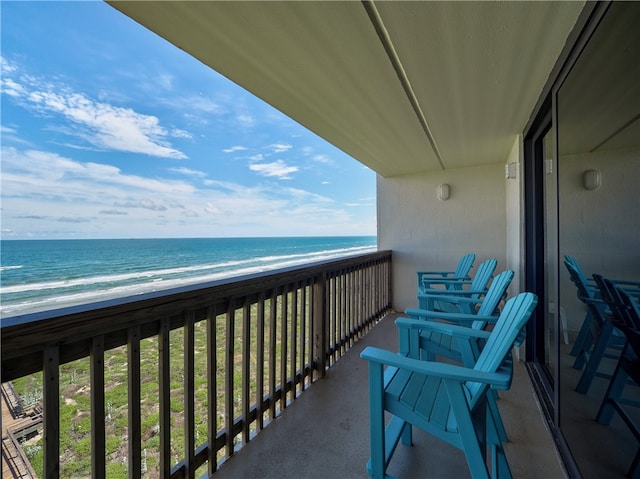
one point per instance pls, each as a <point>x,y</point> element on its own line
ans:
<point>499,464</point>
<point>407,435</point>
<point>494,412</point>
<point>376,464</point>
<point>582,340</point>
<point>472,430</point>
<point>614,392</point>
<point>594,359</point>
<point>634,470</point>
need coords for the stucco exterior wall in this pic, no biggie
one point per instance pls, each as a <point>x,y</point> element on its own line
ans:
<point>426,233</point>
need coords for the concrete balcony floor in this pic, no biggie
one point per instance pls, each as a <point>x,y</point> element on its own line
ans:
<point>325,432</point>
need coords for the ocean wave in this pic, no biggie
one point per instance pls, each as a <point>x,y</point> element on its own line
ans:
<point>6,268</point>
<point>60,293</point>
<point>154,275</point>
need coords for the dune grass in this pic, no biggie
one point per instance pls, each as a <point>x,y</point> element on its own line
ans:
<point>75,394</point>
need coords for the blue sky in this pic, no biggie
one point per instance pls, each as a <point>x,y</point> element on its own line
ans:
<point>108,131</point>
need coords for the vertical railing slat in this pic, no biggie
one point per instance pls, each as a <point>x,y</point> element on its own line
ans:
<point>229,376</point>
<point>273,307</point>
<point>260,362</point>
<point>284,339</point>
<point>212,390</point>
<point>335,331</point>
<point>344,332</point>
<point>303,334</point>
<point>319,325</point>
<point>246,370</point>
<point>51,406</point>
<point>98,462</point>
<point>189,395</point>
<point>164,407</point>
<point>349,289</point>
<point>293,363</point>
<point>134,429</point>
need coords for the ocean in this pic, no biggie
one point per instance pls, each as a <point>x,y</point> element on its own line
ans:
<point>38,275</point>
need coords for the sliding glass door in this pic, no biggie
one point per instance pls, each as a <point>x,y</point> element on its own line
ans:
<point>583,200</point>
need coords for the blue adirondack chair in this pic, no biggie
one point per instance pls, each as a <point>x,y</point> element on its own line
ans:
<point>445,400</point>
<point>591,283</point>
<point>431,298</point>
<point>432,343</point>
<point>603,339</point>
<point>434,339</point>
<point>626,318</point>
<point>584,340</point>
<point>428,279</point>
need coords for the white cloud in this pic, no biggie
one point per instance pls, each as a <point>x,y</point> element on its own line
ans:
<point>277,168</point>
<point>49,174</point>
<point>322,159</point>
<point>188,172</point>
<point>233,149</point>
<point>100,124</point>
<point>190,214</point>
<point>212,209</point>
<point>65,219</point>
<point>113,212</point>
<point>46,195</point>
<point>246,121</point>
<point>280,147</point>
<point>178,133</point>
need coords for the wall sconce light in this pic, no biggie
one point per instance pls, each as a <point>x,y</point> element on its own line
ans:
<point>591,179</point>
<point>511,170</point>
<point>443,192</point>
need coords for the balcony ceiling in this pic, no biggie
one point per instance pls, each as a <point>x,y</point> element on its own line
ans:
<point>403,87</point>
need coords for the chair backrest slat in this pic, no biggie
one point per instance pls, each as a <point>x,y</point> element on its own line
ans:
<point>494,295</point>
<point>579,279</point>
<point>464,265</point>
<point>576,266</point>
<point>514,316</point>
<point>611,295</point>
<point>483,276</point>
<point>632,330</point>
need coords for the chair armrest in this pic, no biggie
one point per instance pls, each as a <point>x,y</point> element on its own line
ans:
<point>451,292</point>
<point>448,298</point>
<point>444,328</point>
<point>443,279</point>
<point>631,288</point>
<point>626,283</point>
<point>453,280</point>
<point>417,313</point>
<point>595,301</point>
<point>439,273</point>
<point>430,368</point>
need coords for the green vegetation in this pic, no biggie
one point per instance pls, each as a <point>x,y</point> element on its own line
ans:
<point>75,393</point>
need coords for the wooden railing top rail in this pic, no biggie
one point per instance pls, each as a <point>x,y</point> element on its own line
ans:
<point>29,334</point>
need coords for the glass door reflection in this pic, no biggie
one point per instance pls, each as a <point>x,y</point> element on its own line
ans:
<point>598,128</point>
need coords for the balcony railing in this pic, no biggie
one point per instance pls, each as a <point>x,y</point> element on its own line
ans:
<point>206,367</point>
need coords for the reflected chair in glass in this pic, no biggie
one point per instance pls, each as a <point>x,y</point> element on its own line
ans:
<point>623,391</point>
